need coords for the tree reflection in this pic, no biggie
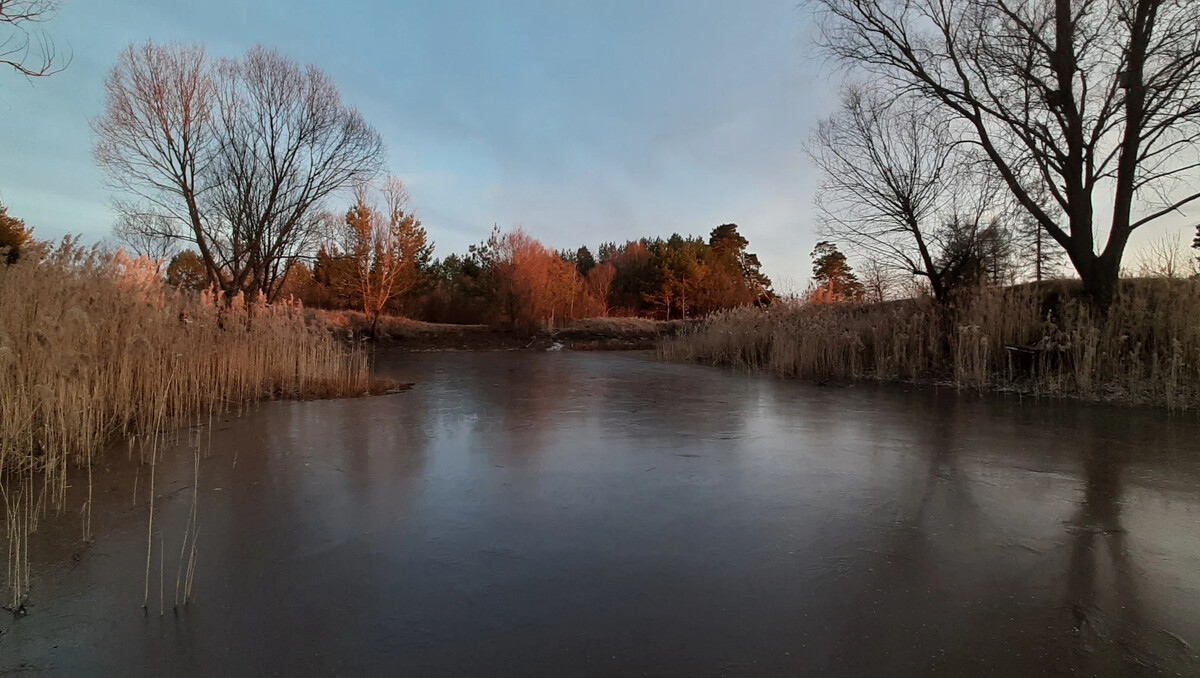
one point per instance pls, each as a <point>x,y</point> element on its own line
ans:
<point>1095,533</point>
<point>901,610</point>
<point>944,476</point>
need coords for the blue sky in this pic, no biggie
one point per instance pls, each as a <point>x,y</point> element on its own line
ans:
<point>581,121</point>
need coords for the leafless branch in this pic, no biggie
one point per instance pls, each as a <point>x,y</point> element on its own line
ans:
<point>236,157</point>
<point>23,47</point>
<point>1073,98</point>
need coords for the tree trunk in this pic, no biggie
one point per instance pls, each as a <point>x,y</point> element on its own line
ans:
<point>1101,277</point>
<point>375,325</point>
<point>1037,262</point>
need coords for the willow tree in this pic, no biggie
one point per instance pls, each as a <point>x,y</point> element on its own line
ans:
<point>1097,101</point>
<point>234,157</point>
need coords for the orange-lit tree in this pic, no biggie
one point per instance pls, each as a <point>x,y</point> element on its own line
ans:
<point>537,286</point>
<point>386,245</point>
<point>13,236</point>
<point>186,271</point>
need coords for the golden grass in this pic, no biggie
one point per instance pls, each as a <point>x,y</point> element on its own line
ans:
<point>1145,350</point>
<point>93,347</point>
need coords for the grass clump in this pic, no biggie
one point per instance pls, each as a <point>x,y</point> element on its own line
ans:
<point>94,346</point>
<point>1041,339</point>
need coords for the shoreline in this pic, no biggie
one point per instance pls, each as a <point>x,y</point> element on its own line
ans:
<point>593,334</point>
<point>1036,339</point>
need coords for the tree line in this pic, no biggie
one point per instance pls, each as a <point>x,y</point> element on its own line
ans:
<point>382,262</point>
<point>511,277</point>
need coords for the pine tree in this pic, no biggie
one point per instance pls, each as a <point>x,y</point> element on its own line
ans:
<point>833,278</point>
<point>1038,255</point>
<point>726,241</point>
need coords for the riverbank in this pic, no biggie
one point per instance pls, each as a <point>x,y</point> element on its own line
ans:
<point>1042,340</point>
<point>607,334</point>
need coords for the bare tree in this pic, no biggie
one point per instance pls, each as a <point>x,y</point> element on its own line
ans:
<point>882,164</point>
<point>1166,256</point>
<point>386,244</point>
<point>156,144</point>
<point>23,47</point>
<point>878,281</point>
<point>234,157</point>
<point>1084,98</point>
<point>598,282</point>
<point>148,234</point>
<point>897,190</point>
<point>286,143</point>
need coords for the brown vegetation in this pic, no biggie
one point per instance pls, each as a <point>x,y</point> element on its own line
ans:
<point>385,246</point>
<point>536,285</point>
<point>94,346</point>
<point>14,235</point>
<point>514,282</point>
<point>608,334</point>
<point>1042,339</point>
<point>353,326</point>
<point>626,327</point>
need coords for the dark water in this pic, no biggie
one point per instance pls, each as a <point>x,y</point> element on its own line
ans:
<point>603,514</point>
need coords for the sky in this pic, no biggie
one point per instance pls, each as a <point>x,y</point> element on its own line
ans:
<point>583,122</point>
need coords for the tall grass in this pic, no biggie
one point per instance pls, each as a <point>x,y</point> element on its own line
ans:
<point>94,347</point>
<point>1146,349</point>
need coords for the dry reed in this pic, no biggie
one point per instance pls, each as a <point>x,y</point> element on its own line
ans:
<point>93,347</point>
<point>1145,350</point>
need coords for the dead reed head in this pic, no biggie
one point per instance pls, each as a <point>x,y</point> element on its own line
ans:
<point>93,345</point>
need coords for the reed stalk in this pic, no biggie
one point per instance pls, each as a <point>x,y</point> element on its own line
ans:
<point>1145,350</point>
<point>94,347</point>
